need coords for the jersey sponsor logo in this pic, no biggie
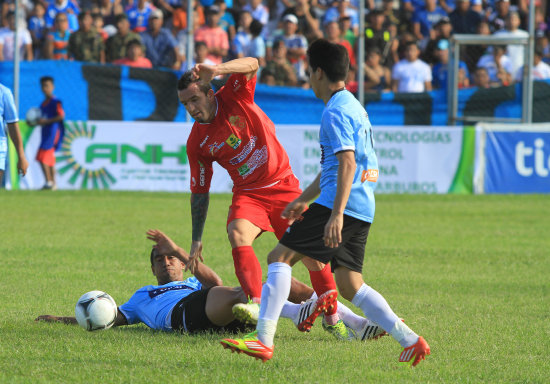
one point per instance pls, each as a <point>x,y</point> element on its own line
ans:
<point>245,152</point>
<point>258,158</point>
<point>215,147</point>
<point>203,142</point>
<point>238,122</point>
<point>159,291</point>
<point>236,85</point>
<point>369,175</point>
<point>233,141</point>
<point>202,172</point>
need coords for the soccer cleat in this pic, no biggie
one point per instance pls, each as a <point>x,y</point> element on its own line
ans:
<point>249,345</point>
<point>338,330</point>
<point>309,310</point>
<point>415,353</point>
<point>369,331</point>
<point>246,313</point>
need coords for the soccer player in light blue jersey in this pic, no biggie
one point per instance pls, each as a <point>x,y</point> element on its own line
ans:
<point>335,227</point>
<point>201,303</point>
<point>8,116</point>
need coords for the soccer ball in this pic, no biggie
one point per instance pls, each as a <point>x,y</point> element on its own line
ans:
<point>33,115</point>
<point>95,310</point>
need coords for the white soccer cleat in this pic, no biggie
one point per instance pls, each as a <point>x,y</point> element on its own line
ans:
<point>246,313</point>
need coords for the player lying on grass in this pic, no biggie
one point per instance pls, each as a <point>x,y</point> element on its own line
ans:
<point>202,303</point>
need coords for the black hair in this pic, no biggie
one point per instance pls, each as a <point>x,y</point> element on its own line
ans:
<point>82,15</point>
<point>44,79</point>
<point>410,43</point>
<point>187,79</point>
<point>256,27</point>
<point>332,58</point>
<point>278,43</point>
<point>199,44</point>
<point>132,42</point>
<point>120,17</point>
<point>153,254</point>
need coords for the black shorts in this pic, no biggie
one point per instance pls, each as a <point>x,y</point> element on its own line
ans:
<point>306,237</point>
<point>189,315</point>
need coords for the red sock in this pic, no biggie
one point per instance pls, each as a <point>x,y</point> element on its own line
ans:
<point>248,271</point>
<point>323,281</point>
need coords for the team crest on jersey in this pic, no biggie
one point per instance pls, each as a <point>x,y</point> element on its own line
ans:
<point>214,147</point>
<point>237,121</point>
<point>369,175</point>
<point>233,141</point>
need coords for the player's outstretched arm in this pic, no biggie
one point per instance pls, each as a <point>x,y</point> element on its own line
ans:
<point>247,66</point>
<point>294,209</point>
<point>199,210</point>
<point>120,319</point>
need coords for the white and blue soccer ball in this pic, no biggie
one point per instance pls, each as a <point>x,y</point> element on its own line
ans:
<point>95,310</point>
<point>33,115</point>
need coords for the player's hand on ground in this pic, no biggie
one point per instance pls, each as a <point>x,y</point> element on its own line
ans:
<point>204,72</point>
<point>22,166</point>
<point>294,210</point>
<point>47,318</point>
<point>195,254</point>
<point>164,245</point>
<point>333,230</point>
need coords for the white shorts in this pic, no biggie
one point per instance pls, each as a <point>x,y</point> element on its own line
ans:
<point>3,152</point>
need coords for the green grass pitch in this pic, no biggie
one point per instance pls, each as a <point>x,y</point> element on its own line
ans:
<point>469,273</point>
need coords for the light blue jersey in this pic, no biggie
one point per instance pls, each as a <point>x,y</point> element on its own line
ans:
<point>153,304</point>
<point>8,114</point>
<point>345,126</point>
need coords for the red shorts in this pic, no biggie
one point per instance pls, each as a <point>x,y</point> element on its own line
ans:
<point>263,206</point>
<point>47,156</point>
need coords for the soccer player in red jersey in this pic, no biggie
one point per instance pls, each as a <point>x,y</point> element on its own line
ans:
<point>233,131</point>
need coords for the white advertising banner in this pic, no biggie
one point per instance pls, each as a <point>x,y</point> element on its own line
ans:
<point>151,156</point>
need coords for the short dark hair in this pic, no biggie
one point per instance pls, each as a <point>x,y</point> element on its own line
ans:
<point>187,79</point>
<point>153,254</point>
<point>256,27</point>
<point>332,58</point>
<point>83,14</point>
<point>199,44</point>
<point>44,79</point>
<point>132,42</point>
<point>120,17</point>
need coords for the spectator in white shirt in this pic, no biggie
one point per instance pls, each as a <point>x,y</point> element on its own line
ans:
<point>411,74</point>
<point>515,52</point>
<point>7,41</point>
<point>541,70</point>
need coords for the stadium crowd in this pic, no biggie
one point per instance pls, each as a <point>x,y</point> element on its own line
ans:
<point>406,41</point>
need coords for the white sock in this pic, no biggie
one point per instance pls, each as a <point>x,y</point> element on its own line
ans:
<point>347,315</point>
<point>350,318</point>
<point>274,295</point>
<point>376,308</point>
<point>290,310</point>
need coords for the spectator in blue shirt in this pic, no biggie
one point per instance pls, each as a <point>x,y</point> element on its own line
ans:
<point>425,18</point>
<point>161,48</point>
<point>440,69</point>
<point>64,6</point>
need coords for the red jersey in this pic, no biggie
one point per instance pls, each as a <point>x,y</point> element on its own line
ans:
<point>241,138</point>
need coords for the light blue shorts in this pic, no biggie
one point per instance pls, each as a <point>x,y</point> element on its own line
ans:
<point>3,152</point>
